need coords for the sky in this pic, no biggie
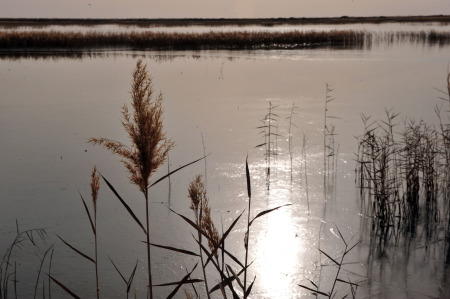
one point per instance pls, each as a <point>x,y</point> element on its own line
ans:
<point>217,8</point>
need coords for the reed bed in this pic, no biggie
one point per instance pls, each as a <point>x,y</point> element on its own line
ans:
<point>181,41</point>
<point>213,40</point>
<point>399,174</point>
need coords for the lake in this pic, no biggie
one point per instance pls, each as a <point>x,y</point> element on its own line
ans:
<point>214,102</point>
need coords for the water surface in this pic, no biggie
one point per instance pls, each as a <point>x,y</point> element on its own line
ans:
<point>214,101</point>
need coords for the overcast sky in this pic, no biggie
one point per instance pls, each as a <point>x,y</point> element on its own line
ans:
<point>217,8</point>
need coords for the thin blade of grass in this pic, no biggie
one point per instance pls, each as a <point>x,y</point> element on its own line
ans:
<point>347,251</point>
<point>267,211</point>
<point>175,249</point>
<point>188,281</point>
<point>231,279</point>
<point>347,282</point>
<point>40,270</point>
<point>329,257</point>
<point>195,226</point>
<point>49,271</point>
<point>183,281</point>
<point>130,281</point>
<point>236,277</point>
<point>314,291</point>
<point>249,289</point>
<point>312,282</point>
<point>124,204</point>
<point>89,214</point>
<point>66,289</point>
<point>225,235</point>
<point>178,169</point>
<point>118,271</point>
<point>77,251</point>
<point>247,174</point>
<point>343,240</point>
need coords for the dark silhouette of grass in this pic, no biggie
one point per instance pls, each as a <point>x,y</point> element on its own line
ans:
<point>181,41</point>
<point>212,40</point>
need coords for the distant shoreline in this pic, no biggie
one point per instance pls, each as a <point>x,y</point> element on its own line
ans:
<point>12,22</point>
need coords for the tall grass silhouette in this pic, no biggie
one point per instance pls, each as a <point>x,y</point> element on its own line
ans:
<point>149,144</point>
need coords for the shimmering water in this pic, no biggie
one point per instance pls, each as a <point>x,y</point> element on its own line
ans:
<point>214,101</point>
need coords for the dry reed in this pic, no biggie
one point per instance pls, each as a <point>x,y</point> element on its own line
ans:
<point>150,145</point>
<point>181,41</point>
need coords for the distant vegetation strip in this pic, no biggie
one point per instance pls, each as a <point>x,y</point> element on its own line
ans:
<point>213,40</point>
<point>12,22</point>
<point>178,41</point>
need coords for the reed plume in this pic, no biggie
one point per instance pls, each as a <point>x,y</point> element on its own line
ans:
<point>207,225</point>
<point>200,206</point>
<point>95,186</point>
<point>149,144</point>
<point>197,194</point>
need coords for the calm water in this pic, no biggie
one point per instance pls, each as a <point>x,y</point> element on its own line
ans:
<point>214,100</point>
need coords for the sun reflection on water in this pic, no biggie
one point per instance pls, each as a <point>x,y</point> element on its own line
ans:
<point>278,249</point>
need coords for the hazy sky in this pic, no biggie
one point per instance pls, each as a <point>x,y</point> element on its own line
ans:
<point>217,8</point>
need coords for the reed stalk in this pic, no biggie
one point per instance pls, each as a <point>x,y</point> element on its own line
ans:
<point>290,136</point>
<point>150,146</point>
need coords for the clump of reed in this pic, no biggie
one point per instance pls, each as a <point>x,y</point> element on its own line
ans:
<point>9,271</point>
<point>397,173</point>
<point>228,267</point>
<point>233,40</point>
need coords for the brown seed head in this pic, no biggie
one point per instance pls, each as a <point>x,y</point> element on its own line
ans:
<point>196,193</point>
<point>149,144</point>
<point>207,225</point>
<point>95,186</point>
